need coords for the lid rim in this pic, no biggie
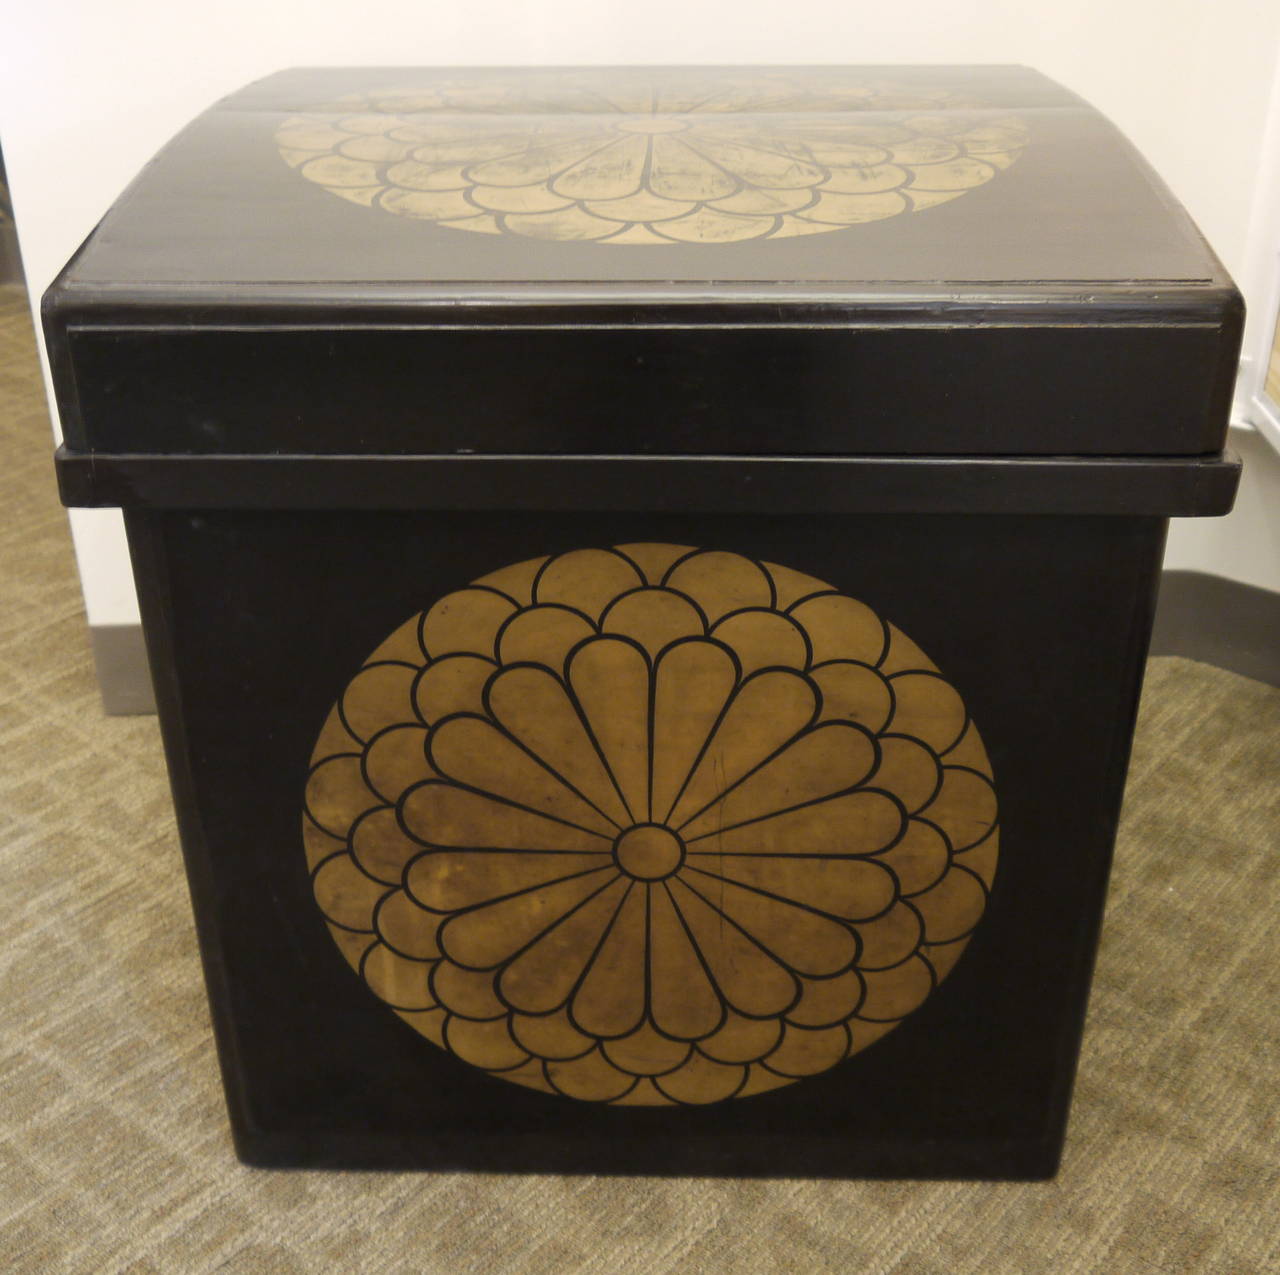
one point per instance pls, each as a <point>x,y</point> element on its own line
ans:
<point>1181,486</point>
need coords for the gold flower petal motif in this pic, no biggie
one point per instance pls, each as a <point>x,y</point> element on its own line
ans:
<point>651,157</point>
<point>650,825</point>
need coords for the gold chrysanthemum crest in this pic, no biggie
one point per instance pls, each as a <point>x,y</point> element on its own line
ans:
<point>651,157</point>
<point>650,825</point>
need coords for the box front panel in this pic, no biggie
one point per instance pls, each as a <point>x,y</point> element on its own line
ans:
<point>648,843</point>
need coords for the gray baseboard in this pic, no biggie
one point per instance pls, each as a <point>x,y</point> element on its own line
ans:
<point>1203,617</point>
<point>1222,622</point>
<point>124,677</point>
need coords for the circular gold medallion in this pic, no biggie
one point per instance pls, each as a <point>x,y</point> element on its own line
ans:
<point>647,156</point>
<point>650,825</point>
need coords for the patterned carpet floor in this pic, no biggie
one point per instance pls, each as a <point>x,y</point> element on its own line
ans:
<point>114,1153</point>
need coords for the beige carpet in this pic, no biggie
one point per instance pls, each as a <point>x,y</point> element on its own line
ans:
<point>114,1154</point>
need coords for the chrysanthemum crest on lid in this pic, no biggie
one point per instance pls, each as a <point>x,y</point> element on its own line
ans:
<point>647,156</point>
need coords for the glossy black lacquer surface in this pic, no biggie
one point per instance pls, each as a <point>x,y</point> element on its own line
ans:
<point>244,297</point>
<point>1162,486</point>
<point>1042,620</point>
<point>221,206</point>
<point>936,336</point>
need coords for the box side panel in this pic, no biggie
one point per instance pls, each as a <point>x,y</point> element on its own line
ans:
<point>149,551</point>
<point>1039,624</point>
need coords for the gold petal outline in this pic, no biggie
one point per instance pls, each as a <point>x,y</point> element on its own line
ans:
<point>516,581</point>
<point>567,575</point>
<point>807,766</point>
<point>405,928</point>
<point>895,992</point>
<point>653,560</point>
<point>741,1040</point>
<point>550,636</point>
<point>708,224</point>
<point>688,1085</point>
<point>919,858</point>
<point>814,888</point>
<point>614,704</point>
<point>334,738</point>
<point>701,141</point>
<point>380,847</point>
<point>317,844</point>
<point>952,908</point>
<point>551,834</point>
<point>684,1001</point>
<point>697,177</point>
<point>590,1077</point>
<point>550,1036</point>
<point>454,626</point>
<point>451,882</point>
<point>497,933</point>
<point>764,638</point>
<point>466,993</point>
<point>551,154</point>
<point>544,976</point>
<point>585,174</point>
<point>336,794</point>
<point>744,971</point>
<point>654,618</point>
<point>487,1044</point>
<point>846,688</point>
<point>909,769</point>
<point>611,998</point>
<point>889,939</point>
<point>346,895</point>
<point>740,837</point>
<point>824,945</point>
<point>950,811</point>
<point>808,1051</point>
<point>646,1052</point>
<point>392,978</point>
<point>684,716</point>
<point>827,1002</point>
<point>791,586</point>
<point>831,619</point>
<point>363,707</point>
<point>743,701</point>
<point>452,684</point>
<point>395,759</point>
<point>929,709</point>
<point>569,224</point>
<point>983,858</point>
<point>540,711</point>
<point>511,772</point>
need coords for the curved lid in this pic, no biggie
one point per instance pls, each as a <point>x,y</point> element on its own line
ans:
<point>697,175</point>
<point>535,210</point>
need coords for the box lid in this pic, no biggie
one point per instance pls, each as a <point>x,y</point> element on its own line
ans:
<point>875,261</point>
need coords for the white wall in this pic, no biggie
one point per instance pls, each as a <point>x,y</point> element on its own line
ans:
<point>89,90</point>
<point>1216,545</point>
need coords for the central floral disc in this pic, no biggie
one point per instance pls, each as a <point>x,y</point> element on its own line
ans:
<point>649,852</point>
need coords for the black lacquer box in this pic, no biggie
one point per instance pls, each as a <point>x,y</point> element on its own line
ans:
<point>647,574</point>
